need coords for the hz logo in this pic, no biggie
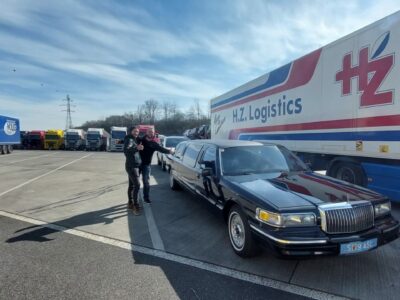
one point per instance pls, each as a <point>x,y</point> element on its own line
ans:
<point>218,122</point>
<point>371,72</point>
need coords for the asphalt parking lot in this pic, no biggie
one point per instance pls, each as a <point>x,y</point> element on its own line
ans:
<point>86,192</point>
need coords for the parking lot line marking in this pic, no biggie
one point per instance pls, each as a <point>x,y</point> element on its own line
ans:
<point>43,175</point>
<point>151,224</point>
<point>248,277</point>
<point>30,158</point>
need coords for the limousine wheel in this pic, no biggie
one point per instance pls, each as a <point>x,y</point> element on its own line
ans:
<point>173,184</point>
<point>239,233</point>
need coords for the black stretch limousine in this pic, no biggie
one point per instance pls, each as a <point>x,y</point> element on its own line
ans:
<point>268,194</point>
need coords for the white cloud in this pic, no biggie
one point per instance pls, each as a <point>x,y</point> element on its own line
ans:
<point>131,57</point>
<point>265,34</point>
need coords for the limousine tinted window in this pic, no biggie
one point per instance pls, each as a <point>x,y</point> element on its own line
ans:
<point>180,149</point>
<point>209,157</point>
<point>209,154</point>
<point>191,153</point>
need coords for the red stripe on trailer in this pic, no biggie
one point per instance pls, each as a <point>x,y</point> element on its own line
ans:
<point>301,73</point>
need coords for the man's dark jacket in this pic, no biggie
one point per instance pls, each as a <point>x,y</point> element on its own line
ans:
<point>150,147</point>
<point>133,159</point>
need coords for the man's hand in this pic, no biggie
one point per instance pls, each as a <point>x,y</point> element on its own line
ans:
<point>140,147</point>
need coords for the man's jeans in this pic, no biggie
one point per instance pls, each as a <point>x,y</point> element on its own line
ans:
<point>134,185</point>
<point>146,170</point>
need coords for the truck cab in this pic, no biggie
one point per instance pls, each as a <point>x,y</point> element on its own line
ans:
<point>35,139</point>
<point>75,139</point>
<point>117,138</point>
<point>54,139</point>
<point>97,139</point>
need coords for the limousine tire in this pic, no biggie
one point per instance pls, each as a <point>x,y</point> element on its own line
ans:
<point>240,235</point>
<point>173,184</point>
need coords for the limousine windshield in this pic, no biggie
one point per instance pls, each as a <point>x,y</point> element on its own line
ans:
<point>259,159</point>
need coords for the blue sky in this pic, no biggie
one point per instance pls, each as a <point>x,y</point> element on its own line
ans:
<point>110,56</point>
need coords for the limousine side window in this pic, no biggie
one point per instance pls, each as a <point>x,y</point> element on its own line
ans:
<point>180,149</point>
<point>191,153</point>
<point>209,157</point>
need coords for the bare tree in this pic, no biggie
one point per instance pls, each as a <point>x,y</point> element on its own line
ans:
<point>165,106</point>
<point>197,111</point>
<point>169,110</point>
<point>140,113</point>
<point>151,107</point>
<point>173,110</point>
<point>129,119</point>
<point>190,113</point>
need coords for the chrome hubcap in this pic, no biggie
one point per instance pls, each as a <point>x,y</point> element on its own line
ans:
<point>236,230</point>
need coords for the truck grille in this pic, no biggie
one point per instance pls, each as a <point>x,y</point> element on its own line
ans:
<point>346,217</point>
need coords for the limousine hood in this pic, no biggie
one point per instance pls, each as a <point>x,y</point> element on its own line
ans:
<point>301,189</point>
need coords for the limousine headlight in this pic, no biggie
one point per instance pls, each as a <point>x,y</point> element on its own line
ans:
<point>382,209</point>
<point>285,220</point>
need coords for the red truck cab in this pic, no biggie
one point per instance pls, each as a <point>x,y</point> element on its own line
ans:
<point>35,139</point>
<point>143,129</point>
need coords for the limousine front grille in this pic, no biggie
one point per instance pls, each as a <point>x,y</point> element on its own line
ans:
<point>346,217</point>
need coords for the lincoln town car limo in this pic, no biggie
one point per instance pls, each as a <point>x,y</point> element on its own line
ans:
<point>269,196</point>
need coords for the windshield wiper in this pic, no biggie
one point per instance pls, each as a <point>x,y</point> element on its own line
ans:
<point>239,173</point>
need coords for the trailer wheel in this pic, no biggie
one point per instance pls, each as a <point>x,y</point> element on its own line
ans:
<point>2,149</point>
<point>9,149</point>
<point>350,172</point>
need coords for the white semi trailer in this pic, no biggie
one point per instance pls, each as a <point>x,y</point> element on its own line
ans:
<point>337,107</point>
<point>9,134</point>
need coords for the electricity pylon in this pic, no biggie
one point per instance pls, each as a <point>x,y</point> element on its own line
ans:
<point>68,105</point>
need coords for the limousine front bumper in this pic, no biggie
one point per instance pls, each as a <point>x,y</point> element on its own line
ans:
<point>313,241</point>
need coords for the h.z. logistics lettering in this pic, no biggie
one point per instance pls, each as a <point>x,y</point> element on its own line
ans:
<point>271,110</point>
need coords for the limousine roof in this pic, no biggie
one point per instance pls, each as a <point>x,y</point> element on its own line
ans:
<point>228,143</point>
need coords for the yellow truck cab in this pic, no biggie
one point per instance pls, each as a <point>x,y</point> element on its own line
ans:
<point>54,139</point>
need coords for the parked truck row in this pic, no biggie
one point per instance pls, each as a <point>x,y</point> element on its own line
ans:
<point>94,139</point>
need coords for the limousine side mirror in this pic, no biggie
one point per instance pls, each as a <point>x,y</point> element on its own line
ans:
<point>206,172</point>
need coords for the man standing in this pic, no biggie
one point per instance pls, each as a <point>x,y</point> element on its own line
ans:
<point>132,146</point>
<point>150,146</point>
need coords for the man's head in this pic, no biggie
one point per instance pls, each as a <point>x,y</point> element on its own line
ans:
<point>134,131</point>
<point>150,132</point>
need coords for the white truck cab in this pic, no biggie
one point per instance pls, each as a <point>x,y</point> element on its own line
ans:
<point>117,136</point>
